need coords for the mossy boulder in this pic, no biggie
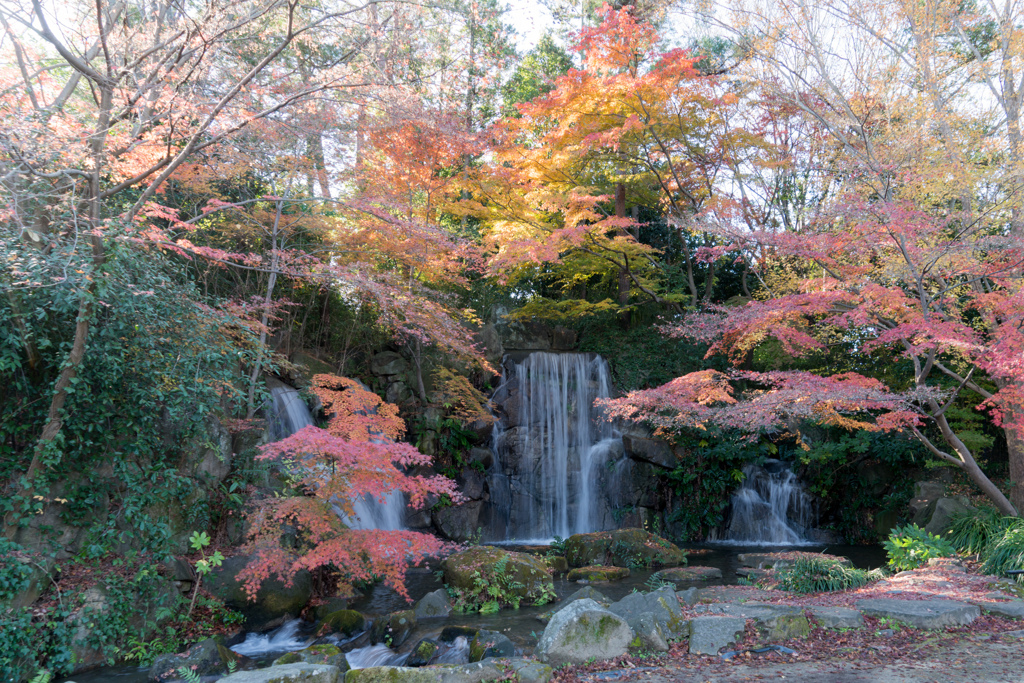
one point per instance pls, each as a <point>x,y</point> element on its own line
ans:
<point>597,574</point>
<point>582,631</point>
<point>393,629</point>
<point>422,652</point>
<point>316,654</point>
<point>274,600</point>
<point>518,575</point>
<point>622,548</point>
<point>556,565</point>
<point>345,621</point>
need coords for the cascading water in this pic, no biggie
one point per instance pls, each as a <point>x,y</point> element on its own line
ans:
<point>290,414</point>
<point>770,508</point>
<point>551,446</point>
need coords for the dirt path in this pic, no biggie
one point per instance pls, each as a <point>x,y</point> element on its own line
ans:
<point>971,660</point>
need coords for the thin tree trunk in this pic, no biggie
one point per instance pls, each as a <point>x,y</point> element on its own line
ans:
<point>265,318</point>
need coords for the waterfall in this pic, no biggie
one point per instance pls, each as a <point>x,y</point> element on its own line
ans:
<point>770,508</point>
<point>290,414</point>
<point>551,446</point>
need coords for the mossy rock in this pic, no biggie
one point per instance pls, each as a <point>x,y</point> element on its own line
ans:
<point>394,629</point>
<point>789,626</point>
<point>345,621</point>
<point>528,575</point>
<point>598,574</point>
<point>557,564</point>
<point>422,652</point>
<point>316,654</point>
<point>622,548</point>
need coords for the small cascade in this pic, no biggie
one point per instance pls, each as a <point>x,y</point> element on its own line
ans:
<point>287,638</point>
<point>551,446</point>
<point>770,508</point>
<point>374,655</point>
<point>289,412</point>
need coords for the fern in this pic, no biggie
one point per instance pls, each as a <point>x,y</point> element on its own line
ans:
<point>189,675</point>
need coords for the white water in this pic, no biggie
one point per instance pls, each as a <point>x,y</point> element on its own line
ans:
<point>553,488</point>
<point>770,508</point>
<point>290,413</point>
<point>374,655</point>
<point>284,639</point>
<point>381,655</point>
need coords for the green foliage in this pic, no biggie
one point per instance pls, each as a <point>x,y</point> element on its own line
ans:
<point>493,588</point>
<point>535,74</point>
<point>641,357</point>
<point>703,482</point>
<point>14,574</point>
<point>1006,551</point>
<point>557,547</point>
<point>141,397</point>
<point>30,642</point>
<point>857,477</point>
<point>910,547</point>
<point>818,574</point>
<point>188,675</point>
<point>973,531</point>
<point>42,676</point>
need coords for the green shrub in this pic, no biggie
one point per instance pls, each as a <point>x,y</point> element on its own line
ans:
<point>818,574</point>
<point>910,547</point>
<point>973,531</point>
<point>14,574</point>
<point>1006,551</point>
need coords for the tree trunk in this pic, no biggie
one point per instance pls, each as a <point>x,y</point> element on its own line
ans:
<point>1015,450</point>
<point>265,318</point>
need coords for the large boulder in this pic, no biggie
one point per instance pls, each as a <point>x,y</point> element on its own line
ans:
<point>394,629</point>
<point>459,523</point>
<point>435,604</point>
<point>388,363</point>
<point>622,548</point>
<point>207,657</point>
<point>274,601</point>
<point>941,512</point>
<point>687,574</point>
<point>662,605</point>
<point>776,622</point>
<point>581,631</point>
<point>654,451</point>
<point>598,574</point>
<point>522,576</point>
<point>316,654</point>
<point>346,621</point>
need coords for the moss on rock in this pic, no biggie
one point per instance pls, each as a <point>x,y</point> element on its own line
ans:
<point>595,574</point>
<point>622,548</point>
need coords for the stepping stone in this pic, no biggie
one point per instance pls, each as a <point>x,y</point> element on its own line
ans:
<point>708,635</point>
<point>682,574</point>
<point>921,613</point>
<point>837,617</point>
<point>780,622</point>
<point>1013,609</point>
<point>662,605</point>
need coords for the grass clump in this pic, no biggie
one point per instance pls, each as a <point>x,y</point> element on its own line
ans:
<point>820,575</point>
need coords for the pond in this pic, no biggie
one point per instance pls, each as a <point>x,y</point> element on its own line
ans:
<point>521,626</point>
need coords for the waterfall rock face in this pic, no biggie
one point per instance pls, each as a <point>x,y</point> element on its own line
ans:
<point>549,477</point>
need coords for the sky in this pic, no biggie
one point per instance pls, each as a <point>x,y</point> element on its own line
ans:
<point>529,18</point>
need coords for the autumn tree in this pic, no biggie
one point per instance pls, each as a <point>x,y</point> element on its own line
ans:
<point>357,453</point>
<point>914,250</point>
<point>633,129</point>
